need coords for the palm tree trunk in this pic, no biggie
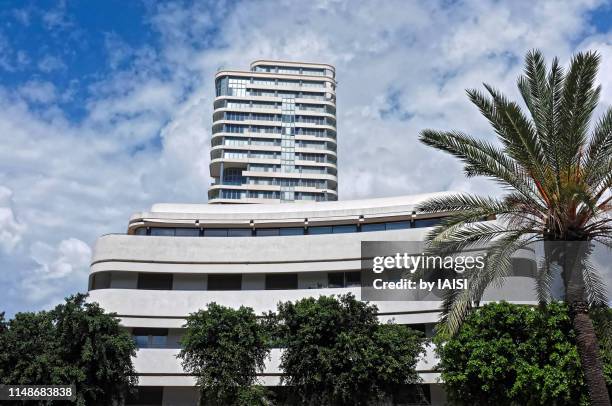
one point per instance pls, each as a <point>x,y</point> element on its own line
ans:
<point>588,349</point>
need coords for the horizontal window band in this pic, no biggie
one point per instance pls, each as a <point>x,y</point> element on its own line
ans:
<point>142,261</point>
<point>399,313</point>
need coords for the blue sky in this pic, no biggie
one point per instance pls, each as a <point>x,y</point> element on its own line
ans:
<point>105,106</point>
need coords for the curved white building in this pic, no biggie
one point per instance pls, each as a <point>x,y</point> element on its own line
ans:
<point>274,134</point>
<point>176,258</point>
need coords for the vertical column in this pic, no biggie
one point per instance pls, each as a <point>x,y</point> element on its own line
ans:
<point>287,192</point>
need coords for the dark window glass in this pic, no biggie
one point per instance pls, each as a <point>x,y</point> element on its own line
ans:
<point>335,279</point>
<point>264,232</point>
<point>215,232</point>
<point>146,395</point>
<point>187,232</point>
<point>345,229</point>
<point>155,281</point>
<point>281,281</point>
<point>320,230</point>
<point>101,280</point>
<point>162,231</point>
<point>225,282</point>
<point>397,225</point>
<point>352,279</point>
<point>150,337</point>
<point>292,231</point>
<point>239,232</point>
<point>427,222</point>
<point>141,231</point>
<point>373,227</point>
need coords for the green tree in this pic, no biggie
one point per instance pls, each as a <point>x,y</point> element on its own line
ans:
<point>337,353</point>
<point>225,349</point>
<point>602,319</point>
<point>558,176</point>
<point>507,354</point>
<point>75,343</point>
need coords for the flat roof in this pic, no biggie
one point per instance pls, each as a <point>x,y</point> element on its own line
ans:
<point>296,207</point>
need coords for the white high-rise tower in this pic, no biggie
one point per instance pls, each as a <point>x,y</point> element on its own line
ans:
<point>274,134</point>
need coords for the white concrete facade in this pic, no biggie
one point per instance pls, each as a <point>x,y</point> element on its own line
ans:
<point>169,264</point>
<point>274,134</point>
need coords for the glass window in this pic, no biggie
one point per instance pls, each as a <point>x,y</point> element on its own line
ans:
<point>215,232</point>
<point>373,227</point>
<point>353,279</point>
<point>225,282</point>
<point>320,230</point>
<point>292,231</point>
<point>427,222</point>
<point>145,395</point>
<point>345,229</point>
<point>264,232</point>
<point>155,281</point>
<point>239,232</point>
<point>187,232</point>
<point>141,231</point>
<point>335,279</point>
<point>162,231</point>
<point>150,337</point>
<point>397,225</point>
<point>281,281</point>
<point>101,280</point>
<point>141,341</point>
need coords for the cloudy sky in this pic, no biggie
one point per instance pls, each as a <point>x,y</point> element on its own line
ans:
<point>105,107</point>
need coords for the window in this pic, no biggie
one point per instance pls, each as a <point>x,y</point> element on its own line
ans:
<point>141,231</point>
<point>335,280</point>
<point>265,232</point>
<point>292,231</point>
<point>239,232</point>
<point>397,225</point>
<point>427,222</point>
<point>345,229</point>
<point>100,280</point>
<point>234,128</point>
<point>343,279</point>
<point>187,232</point>
<point>225,282</point>
<point>155,281</point>
<point>215,232</point>
<point>320,230</point>
<point>146,396</point>
<point>236,116</point>
<point>281,281</point>
<point>150,337</point>
<point>162,231</point>
<point>352,279</point>
<point>373,227</point>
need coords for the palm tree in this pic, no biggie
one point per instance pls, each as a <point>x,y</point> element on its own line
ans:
<point>557,172</point>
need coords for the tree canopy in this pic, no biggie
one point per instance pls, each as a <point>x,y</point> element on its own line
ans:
<point>507,354</point>
<point>337,353</point>
<point>75,343</point>
<point>225,349</point>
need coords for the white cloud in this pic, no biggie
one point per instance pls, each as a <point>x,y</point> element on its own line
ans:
<point>11,230</point>
<point>68,261</point>
<point>37,91</point>
<point>50,63</point>
<point>144,137</point>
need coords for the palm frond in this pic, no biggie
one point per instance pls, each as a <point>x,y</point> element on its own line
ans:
<point>457,304</point>
<point>579,100</point>
<point>595,287</point>
<point>514,129</point>
<point>599,152</point>
<point>482,158</point>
